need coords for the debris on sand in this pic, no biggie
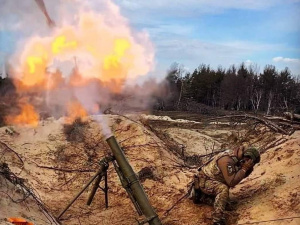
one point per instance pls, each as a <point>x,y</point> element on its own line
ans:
<point>57,164</point>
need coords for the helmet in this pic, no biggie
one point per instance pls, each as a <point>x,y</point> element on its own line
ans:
<point>253,153</point>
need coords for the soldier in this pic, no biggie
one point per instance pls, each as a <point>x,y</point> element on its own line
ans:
<point>223,171</point>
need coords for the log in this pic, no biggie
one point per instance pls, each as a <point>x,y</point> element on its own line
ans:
<point>292,116</point>
<point>273,126</point>
<point>6,147</point>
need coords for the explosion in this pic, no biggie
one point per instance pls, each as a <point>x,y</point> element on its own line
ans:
<point>62,67</point>
<point>27,116</point>
<point>75,110</point>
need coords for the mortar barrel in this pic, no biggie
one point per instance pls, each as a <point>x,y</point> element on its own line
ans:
<point>134,184</point>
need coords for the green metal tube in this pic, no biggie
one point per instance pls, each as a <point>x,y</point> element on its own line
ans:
<point>103,167</point>
<point>95,187</point>
<point>133,182</point>
<point>80,192</point>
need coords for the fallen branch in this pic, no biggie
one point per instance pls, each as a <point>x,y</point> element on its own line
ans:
<point>18,200</point>
<point>292,116</point>
<point>10,149</point>
<point>126,139</point>
<point>14,179</point>
<point>59,188</point>
<point>273,126</point>
<point>65,169</point>
<point>176,203</point>
<point>277,118</point>
<point>274,144</point>
<point>267,221</point>
<point>180,165</point>
<point>154,145</point>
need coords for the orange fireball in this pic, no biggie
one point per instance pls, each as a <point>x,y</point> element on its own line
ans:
<point>27,116</point>
<point>89,50</point>
<point>75,110</point>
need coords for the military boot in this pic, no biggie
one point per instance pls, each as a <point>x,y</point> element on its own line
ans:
<point>231,205</point>
<point>195,195</point>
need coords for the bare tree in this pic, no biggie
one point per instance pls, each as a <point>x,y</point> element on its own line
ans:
<point>270,99</point>
<point>180,72</point>
<point>256,99</point>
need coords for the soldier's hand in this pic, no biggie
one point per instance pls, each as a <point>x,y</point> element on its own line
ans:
<point>248,165</point>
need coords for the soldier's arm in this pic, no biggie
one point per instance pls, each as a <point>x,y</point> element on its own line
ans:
<point>227,167</point>
<point>249,172</point>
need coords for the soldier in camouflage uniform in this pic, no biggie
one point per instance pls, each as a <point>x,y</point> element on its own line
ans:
<point>223,171</point>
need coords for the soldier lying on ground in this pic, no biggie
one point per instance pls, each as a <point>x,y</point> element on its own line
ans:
<point>223,171</point>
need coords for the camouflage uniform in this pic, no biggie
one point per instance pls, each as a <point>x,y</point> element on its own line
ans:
<point>212,181</point>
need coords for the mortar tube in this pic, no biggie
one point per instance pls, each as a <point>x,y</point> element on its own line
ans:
<point>134,184</point>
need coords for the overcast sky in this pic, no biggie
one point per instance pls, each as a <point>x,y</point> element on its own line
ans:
<point>191,32</point>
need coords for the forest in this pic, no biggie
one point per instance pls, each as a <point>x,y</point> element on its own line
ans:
<point>237,88</point>
<point>240,88</point>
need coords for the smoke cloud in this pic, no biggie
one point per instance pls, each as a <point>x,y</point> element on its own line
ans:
<point>89,61</point>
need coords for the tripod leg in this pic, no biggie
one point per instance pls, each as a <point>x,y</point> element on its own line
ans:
<point>103,167</point>
<point>95,187</point>
<point>83,189</point>
<point>106,190</point>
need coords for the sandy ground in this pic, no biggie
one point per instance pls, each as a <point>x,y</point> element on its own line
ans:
<point>10,195</point>
<point>271,192</point>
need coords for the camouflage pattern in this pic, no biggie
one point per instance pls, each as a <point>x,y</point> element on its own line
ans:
<point>212,183</point>
<point>217,175</point>
<point>211,168</point>
<point>221,193</point>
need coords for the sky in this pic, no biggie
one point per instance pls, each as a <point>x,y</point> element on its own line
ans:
<point>189,32</point>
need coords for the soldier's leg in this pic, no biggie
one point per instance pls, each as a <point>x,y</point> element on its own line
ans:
<point>196,193</point>
<point>222,194</point>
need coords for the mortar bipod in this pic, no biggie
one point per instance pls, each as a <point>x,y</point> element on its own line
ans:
<point>105,161</point>
<point>104,164</point>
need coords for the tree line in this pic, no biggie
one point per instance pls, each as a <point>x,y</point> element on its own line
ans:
<point>240,88</point>
<point>236,88</point>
